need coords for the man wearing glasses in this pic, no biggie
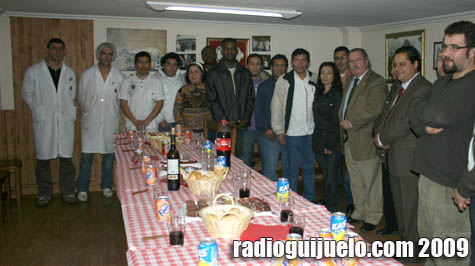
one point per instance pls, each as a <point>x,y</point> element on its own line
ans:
<point>444,124</point>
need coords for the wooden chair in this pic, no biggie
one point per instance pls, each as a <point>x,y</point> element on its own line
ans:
<point>14,168</point>
<point>213,125</point>
<point>4,193</point>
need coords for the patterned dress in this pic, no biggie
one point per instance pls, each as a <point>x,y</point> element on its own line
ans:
<point>191,108</point>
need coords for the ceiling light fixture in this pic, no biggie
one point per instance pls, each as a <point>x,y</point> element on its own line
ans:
<point>278,13</point>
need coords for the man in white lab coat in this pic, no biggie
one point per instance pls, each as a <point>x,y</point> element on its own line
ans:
<point>49,90</point>
<point>141,95</point>
<point>98,97</point>
<point>172,81</point>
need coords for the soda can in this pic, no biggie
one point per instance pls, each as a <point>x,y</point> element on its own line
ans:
<point>188,137</point>
<point>282,189</point>
<point>208,252</point>
<point>325,233</point>
<point>284,261</point>
<point>162,208</point>
<point>338,225</point>
<point>178,130</point>
<point>221,161</point>
<point>145,161</point>
<point>208,146</point>
<point>354,235</point>
<point>150,177</point>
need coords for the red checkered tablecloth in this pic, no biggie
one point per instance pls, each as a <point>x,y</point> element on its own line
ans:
<point>140,221</point>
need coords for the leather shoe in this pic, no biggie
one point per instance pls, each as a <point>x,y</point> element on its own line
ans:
<point>352,220</point>
<point>367,227</point>
<point>386,231</point>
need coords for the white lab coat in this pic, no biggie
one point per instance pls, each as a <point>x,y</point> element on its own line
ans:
<point>142,95</point>
<point>53,112</point>
<point>171,86</point>
<point>100,108</point>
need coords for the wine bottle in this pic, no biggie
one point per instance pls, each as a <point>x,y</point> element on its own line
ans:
<point>173,164</point>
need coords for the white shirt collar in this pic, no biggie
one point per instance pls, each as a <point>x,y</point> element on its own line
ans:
<point>362,76</point>
<point>305,80</point>
<point>406,84</point>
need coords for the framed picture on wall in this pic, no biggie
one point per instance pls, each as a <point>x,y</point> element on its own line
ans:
<point>243,47</point>
<point>261,43</point>
<point>266,61</point>
<point>437,46</point>
<point>394,41</point>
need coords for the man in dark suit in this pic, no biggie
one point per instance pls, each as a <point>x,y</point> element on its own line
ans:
<point>362,102</point>
<point>394,135</point>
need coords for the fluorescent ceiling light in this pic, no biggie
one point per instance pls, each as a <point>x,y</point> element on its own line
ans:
<point>278,13</point>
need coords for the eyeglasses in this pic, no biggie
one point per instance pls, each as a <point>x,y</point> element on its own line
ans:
<point>340,57</point>
<point>356,60</point>
<point>452,47</point>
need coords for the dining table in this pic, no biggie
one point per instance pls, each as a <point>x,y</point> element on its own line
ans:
<point>147,237</point>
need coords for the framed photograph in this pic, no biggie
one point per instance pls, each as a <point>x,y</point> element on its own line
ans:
<point>261,43</point>
<point>394,41</point>
<point>186,59</point>
<point>437,46</point>
<point>266,61</point>
<point>243,47</point>
<point>131,41</point>
<point>185,43</point>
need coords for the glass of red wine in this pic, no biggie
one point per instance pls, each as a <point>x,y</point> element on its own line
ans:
<point>297,224</point>
<point>286,209</point>
<point>176,229</point>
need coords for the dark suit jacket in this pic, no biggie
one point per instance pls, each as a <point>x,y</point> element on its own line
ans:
<point>397,132</point>
<point>363,109</point>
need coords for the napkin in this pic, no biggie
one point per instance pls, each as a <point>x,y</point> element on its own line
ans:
<point>256,231</point>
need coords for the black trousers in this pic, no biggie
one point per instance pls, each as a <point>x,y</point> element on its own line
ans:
<point>388,207</point>
<point>66,177</point>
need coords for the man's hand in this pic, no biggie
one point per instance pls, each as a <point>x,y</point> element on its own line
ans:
<point>241,123</point>
<point>461,202</point>
<point>164,124</point>
<point>281,139</point>
<point>232,124</point>
<point>434,131</point>
<point>270,134</point>
<point>138,123</point>
<point>327,151</point>
<point>376,142</point>
<point>345,124</point>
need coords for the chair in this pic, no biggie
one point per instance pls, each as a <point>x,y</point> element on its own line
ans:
<point>213,125</point>
<point>14,168</point>
<point>4,195</point>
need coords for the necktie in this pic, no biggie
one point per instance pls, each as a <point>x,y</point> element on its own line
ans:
<point>355,83</point>
<point>401,90</point>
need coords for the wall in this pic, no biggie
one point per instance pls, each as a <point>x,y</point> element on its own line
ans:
<point>373,40</point>
<point>6,81</point>
<point>320,42</point>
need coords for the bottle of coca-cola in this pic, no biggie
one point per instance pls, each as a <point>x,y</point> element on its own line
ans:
<point>223,142</point>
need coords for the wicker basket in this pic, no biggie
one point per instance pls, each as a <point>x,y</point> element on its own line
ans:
<point>204,186</point>
<point>226,221</point>
<point>157,140</point>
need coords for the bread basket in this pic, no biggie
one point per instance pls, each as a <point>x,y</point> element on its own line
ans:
<point>157,140</point>
<point>208,185</point>
<point>226,221</point>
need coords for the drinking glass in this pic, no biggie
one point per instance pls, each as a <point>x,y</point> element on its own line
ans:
<point>243,184</point>
<point>286,209</point>
<point>297,223</point>
<point>176,229</point>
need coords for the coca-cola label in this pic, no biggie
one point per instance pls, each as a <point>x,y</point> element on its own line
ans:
<point>223,144</point>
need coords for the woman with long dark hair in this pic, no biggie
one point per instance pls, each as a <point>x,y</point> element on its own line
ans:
<point>326,136</point>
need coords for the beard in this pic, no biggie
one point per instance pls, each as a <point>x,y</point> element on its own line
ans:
<point>449,69</point>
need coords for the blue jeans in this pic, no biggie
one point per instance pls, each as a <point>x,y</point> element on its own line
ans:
<point>329,164</point>
<point>269,151</point>
<point>347,188</point>
<point>82,184</point>
<point>300,154</point>
<point>241,144</point>
<point>252,136</point>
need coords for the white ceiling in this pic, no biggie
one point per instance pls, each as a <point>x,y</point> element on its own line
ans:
<point>325,13</point>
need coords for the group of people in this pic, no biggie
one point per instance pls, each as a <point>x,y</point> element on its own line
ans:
<point>407,145</point>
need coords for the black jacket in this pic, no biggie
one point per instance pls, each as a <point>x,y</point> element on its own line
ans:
<point>224,104</point>
<point>325,113</point>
